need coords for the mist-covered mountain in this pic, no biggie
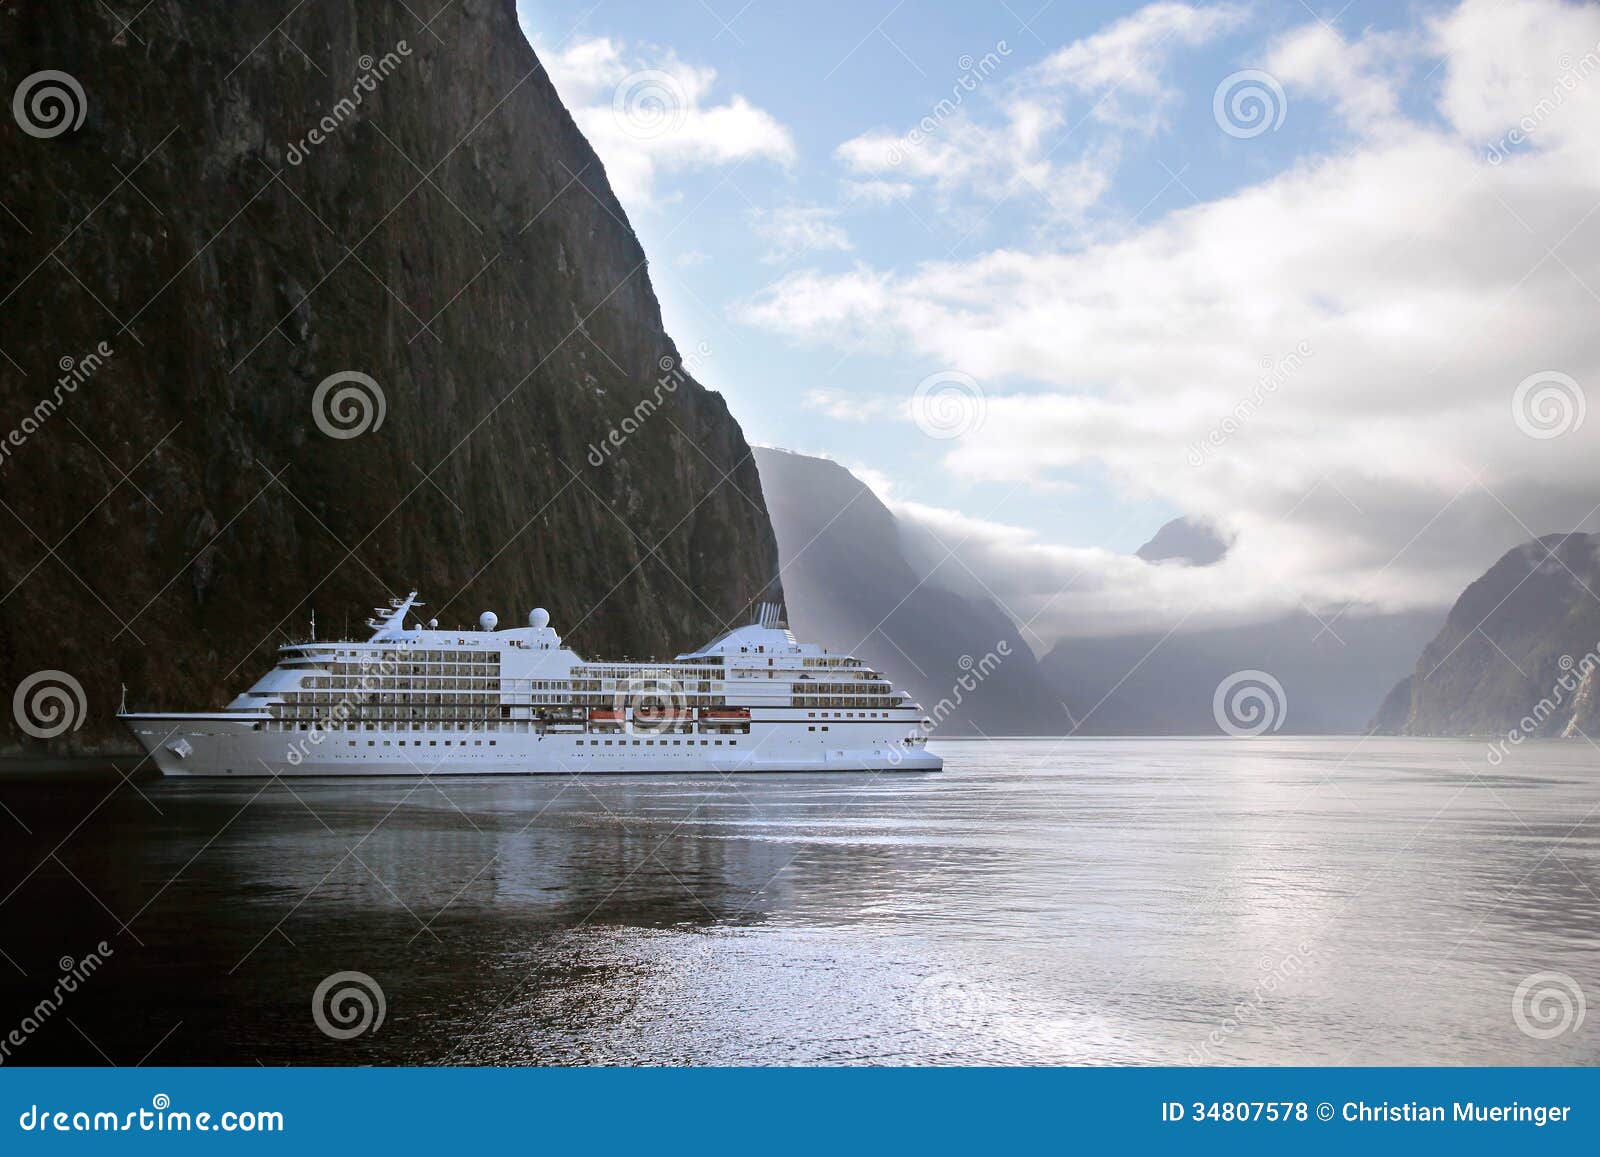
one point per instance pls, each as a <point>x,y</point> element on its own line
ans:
<point>1154,684</point>
<point>1184,540</point>
<point>255,201</point>
<point>850,587</point>
<point>1517,652</point>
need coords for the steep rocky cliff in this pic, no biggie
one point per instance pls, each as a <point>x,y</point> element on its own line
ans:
<point>254,202</point>
<point>1518,651</point>
<point>850,587</point>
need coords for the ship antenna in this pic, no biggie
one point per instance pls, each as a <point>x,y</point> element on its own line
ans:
<point>313,624</point>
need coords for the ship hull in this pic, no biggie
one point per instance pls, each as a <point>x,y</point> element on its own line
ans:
<point>217,747</point>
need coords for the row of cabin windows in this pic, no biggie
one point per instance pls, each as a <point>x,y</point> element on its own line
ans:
<point>655,742</point>
<point>397,683</point>
<point>402,743</point>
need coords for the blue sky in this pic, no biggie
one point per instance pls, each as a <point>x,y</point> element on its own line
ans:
<point>827,283</point>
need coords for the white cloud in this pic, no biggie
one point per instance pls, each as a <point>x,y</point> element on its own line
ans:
<point>843,407</point>
<point>647,113</point>
<point>1358,78</point>
<point>999,138</point>
<point>1424,281</point>
<point>1121,66</point>
<point>791,231</point>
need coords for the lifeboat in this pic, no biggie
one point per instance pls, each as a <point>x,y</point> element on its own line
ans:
<point>725,714</point>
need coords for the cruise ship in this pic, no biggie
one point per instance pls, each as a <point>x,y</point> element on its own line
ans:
<point>418,700</point>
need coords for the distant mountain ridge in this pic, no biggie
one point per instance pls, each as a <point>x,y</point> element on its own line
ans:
<point>1187,541</point>
<point>850,587</point>
<point>1517,652</point>
<point>1156,684</point>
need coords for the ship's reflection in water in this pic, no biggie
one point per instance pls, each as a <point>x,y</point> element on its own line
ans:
<point>1277,901</point>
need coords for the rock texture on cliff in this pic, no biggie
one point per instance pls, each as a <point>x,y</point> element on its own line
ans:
<point>255,202</point>
<point>1517,651</point>
<point>851,588</point>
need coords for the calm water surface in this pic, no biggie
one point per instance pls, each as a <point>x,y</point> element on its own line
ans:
<point>1089,901</point>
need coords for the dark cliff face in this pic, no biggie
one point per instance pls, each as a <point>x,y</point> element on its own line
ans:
<point>1518,648</point>
<point>177,508</point>
<point>850,587</point>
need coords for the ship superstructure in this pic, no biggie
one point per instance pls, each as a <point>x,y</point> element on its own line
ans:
<point>415,699</point>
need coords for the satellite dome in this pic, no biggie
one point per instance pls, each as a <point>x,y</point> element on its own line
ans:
<point>433,624</point>
<point>488,621</point>
<point>538,618</point>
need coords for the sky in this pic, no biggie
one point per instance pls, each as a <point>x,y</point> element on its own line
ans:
<point>1322,277</point>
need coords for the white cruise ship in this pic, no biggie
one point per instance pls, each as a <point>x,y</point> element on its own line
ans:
<point>418,700</point>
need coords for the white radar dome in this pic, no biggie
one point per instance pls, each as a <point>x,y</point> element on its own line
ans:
<point>538,618</point>
<point>433,624</point>
<point>488,621</point>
